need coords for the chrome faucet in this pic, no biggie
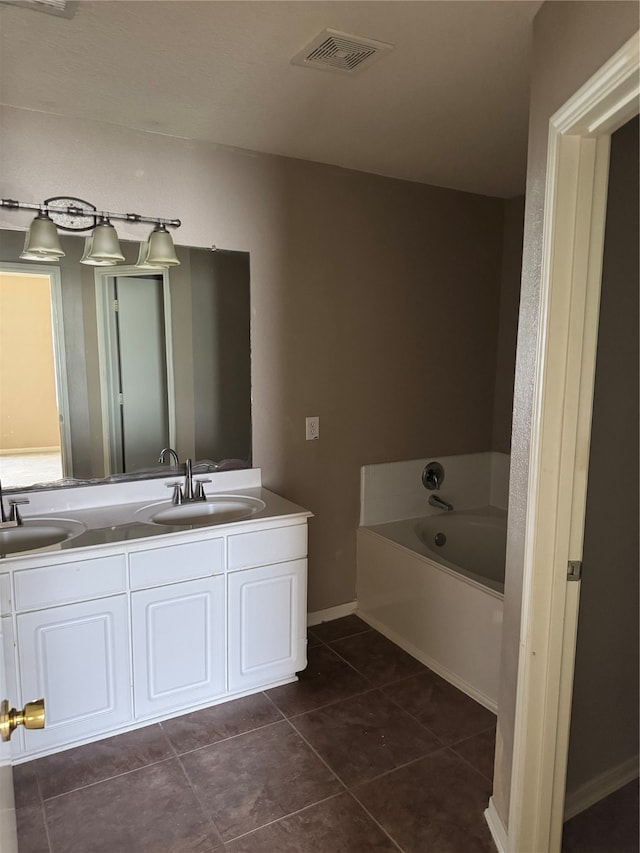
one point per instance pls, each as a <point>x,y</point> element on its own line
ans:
<point>14,519</point>
<point>187,492</point>
<point>192,490</point>
<point>171,453</point>
<point>440,503</point>
<point>4,520</point>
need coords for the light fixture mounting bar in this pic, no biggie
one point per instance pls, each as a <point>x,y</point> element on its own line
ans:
<point>80,211</point>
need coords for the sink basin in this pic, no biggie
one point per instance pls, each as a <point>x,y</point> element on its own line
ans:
<point>37,533</point>
<point>218,509</point>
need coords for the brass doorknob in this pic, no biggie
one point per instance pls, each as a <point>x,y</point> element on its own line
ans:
<point>31,717</point>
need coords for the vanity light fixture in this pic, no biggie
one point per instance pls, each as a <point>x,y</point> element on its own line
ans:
<point>102,247</point>
<point>105,246</point>
<point>41,242</point>
<point>162,252</point>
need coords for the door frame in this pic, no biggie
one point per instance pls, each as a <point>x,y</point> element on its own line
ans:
<point>572,251</point>
<point>59,356</point>
<point>107,347</point>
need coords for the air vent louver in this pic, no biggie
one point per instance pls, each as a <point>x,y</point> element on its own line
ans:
<point>333,50</point>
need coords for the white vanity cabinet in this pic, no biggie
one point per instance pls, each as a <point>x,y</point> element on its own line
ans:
<point>74,652</point>
<point>267,636</point>
<point>77,657</point>
<point>178,629</point>
<point>115,636</point>
<point>267,594</point>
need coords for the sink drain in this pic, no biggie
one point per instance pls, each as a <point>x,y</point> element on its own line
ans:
<point>440,539</point>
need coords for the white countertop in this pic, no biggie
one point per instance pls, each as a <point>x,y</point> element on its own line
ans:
<point>108,511</point>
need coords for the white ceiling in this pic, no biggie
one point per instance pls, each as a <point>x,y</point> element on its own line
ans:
<point>448,106</point>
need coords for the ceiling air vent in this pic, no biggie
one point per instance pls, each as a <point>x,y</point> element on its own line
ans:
<point>332,50</point>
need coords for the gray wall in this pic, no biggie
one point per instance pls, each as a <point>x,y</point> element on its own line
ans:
<point>604,716</point>
<point>571,41</point>
<point>374,301</point>
<point>508,323</point>
<point>222,355</point>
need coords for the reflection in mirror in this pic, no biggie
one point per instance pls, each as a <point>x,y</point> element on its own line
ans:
<point>102,367</point>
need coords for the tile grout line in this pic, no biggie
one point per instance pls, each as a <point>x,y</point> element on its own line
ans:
<point>373,778</point>
<point>469,764</point>
<point>231,737</point>
<point>285,817</point>
<point>347,790</point>
<point>376,821</point>
<point>228,737</point>
<point>42,809</point>
<point>110,778</point>
<point>201,805</point>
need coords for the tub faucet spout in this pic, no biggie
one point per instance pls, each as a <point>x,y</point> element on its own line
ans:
<point>440,503</point>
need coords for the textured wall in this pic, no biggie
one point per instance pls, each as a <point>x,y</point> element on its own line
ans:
<point>571,41</point>
<point>508,324</point>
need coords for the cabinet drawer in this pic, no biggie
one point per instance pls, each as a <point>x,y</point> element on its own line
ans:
<point>67,582</point>
<point>174,563</point>
<point>267,546</point>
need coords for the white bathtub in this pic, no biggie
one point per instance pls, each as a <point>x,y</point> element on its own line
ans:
<point>442,603</point>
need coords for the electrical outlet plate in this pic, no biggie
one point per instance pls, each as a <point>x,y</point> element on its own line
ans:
<point>312,428</point>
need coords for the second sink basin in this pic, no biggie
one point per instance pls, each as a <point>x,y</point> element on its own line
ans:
<point>217,509</point>
<point>37,533</point>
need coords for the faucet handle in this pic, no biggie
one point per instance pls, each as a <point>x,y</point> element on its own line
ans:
<point>14,512</point>
<point>177,492</point>
<point>199,489</point>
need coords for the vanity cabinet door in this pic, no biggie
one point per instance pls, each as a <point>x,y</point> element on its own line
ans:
<point>267,624</point>
<point>77,658</point>
<point>178,645</point>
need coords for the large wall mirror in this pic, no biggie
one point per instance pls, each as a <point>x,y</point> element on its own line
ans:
<point>103,367</point>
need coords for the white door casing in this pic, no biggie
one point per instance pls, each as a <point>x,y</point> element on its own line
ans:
<point>573,242</point>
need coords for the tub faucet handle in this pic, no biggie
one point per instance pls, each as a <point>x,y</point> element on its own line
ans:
<point>432,476</point>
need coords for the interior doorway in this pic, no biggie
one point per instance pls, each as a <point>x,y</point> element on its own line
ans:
<point>34,439</point>
<point>606,685</point>
<point>136,368</point>
<point>572,253</point>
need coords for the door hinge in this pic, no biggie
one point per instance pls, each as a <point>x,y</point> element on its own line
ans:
<point>121,399</point>
<point>574,570</point>
<point>115,305</point>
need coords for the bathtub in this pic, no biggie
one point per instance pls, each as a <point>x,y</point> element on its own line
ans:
<point>434,586</point>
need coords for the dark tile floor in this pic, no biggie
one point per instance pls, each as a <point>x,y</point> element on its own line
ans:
<point>368,751</point>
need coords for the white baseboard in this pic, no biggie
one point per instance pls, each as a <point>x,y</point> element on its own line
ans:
<point>331,613</point>
<point>496,827</point>
<point>601,786</point>
<point>432,664</point>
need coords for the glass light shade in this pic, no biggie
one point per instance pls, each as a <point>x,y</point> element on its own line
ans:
<point>105,243</point>
<point>87,256</point>
<point>162,252</point>
<point>42,242</point>
<point>142,262</point>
